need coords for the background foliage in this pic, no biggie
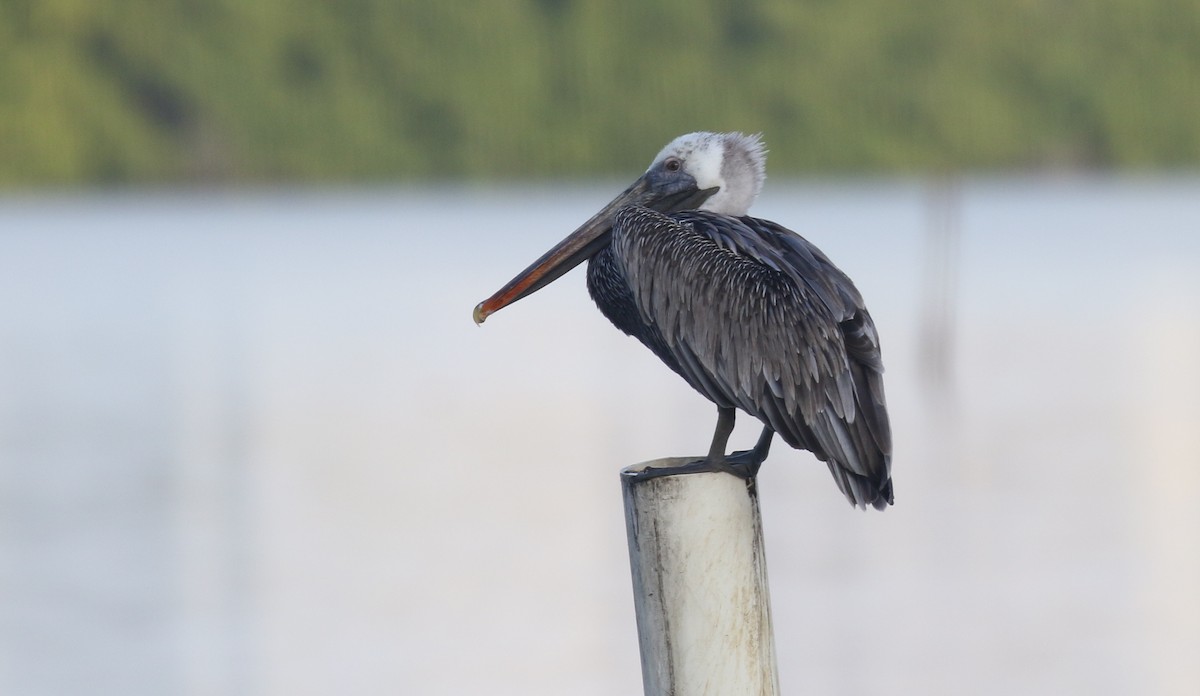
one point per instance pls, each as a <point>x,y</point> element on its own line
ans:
<point>146,91</point>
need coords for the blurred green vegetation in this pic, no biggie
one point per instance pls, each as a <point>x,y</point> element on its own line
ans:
<point>146,91</point>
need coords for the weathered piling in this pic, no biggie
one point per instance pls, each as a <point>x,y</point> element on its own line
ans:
<point>699,582</point>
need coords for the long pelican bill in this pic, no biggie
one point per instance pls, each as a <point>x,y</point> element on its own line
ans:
<point>584,242</point>
<point>567,254</point>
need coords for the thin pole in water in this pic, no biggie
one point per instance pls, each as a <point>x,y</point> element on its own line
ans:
<point>699,582</point>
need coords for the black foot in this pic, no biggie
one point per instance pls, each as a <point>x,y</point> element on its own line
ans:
<point>696,466</point>
<point>744,465</point>
<point>747,462</point>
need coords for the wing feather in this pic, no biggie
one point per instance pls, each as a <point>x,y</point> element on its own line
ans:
<point>757,317</point>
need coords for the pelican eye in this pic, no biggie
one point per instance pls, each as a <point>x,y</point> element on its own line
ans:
<point>672,164</point>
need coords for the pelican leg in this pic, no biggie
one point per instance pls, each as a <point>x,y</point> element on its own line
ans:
<point>747,462</point>
<point>715,461</point>
<point>716,452</point>
<point>741,464</point>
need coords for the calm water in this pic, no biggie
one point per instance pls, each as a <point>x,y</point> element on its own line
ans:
<point>252,443</point>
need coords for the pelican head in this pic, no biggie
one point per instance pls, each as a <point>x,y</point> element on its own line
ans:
<point>732,163</point>
<point>718,172</point>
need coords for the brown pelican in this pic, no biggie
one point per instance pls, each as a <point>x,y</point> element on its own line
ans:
<point>751,314</point>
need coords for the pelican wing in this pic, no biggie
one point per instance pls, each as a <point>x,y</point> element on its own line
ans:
<point>755,316</point>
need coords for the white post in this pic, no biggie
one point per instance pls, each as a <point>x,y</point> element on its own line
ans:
<point>699,582</point>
